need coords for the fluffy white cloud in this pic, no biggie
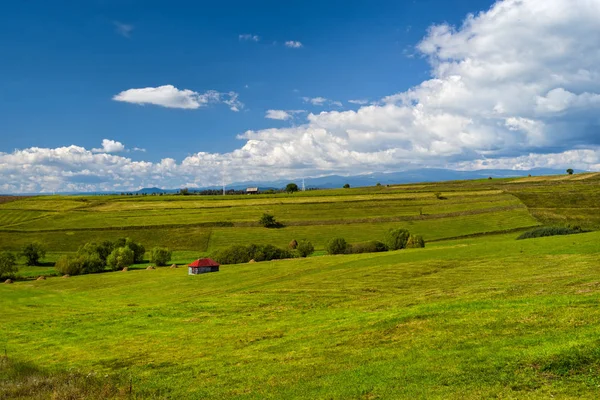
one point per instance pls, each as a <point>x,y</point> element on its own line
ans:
<point>293,44</point>
<point>171,97</point>
<point>110,146</point>
<point>248,37</point>
<point>282,115</point>
<point>361,102</point>
<point>516,86</point>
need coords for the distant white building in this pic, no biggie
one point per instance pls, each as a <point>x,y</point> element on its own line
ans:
<point>252,190</point>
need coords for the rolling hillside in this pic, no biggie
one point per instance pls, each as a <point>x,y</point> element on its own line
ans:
<point>475,314</point>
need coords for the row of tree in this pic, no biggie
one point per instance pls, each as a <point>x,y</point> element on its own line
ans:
<point>96,257</point>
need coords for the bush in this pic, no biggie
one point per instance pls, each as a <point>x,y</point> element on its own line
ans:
<point>69,265</point>
<point>396,239</point>
<point>8,264</point>
<point>347,186</point>
<point>120,258</point>
<point>139,251</point>
<point>268,221</point>
<point>415,242</point>
<point>242,254</point>
<point>372,246</point>
<point>305,248</point>
<point>337,246</point>
<point>161,256</point>
<point>33,252</point>
<point>550,231</point>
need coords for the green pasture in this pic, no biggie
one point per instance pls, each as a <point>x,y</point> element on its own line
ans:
<point>487,317</point>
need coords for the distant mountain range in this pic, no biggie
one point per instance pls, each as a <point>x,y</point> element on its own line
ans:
<point>385,178</point>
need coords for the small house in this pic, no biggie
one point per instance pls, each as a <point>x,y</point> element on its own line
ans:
<point>252,190</point>
<point>203,266</point>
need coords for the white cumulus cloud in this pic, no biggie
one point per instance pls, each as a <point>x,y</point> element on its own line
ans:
<point>170,97</point>
<point>110,146</point>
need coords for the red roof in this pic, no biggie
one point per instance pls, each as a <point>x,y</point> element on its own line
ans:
<point>204,262</point>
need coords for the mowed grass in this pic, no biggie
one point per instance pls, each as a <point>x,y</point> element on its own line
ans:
<point>486,317</point>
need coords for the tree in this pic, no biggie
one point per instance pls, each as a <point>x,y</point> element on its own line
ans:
<point>396,239</point>
<point>8,264</point>
<point>337,246</point>
<point>161,256</point>
<point>570,171</point>
<point>347,186</point>
<point>268,221</point>
<point>291,188</point>
<point>184,191</point>
<point>33,252</point>
<point>120,258</point>
<point>305,248</point>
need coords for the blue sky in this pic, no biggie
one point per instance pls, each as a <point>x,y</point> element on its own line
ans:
<point>100,95</point>
<point>63,64</point>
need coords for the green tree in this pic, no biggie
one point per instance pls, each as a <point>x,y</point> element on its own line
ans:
<point>396,239</point>
<point>268,221</point>
<point>337,246</point>
<point>33,252</point>
<point>161,256</point>
<point>8,264</point>
<point>570,171</point>
<point>347,186</point>
<point>305,248</point>
<point>291,188</point>
<point>120,258</point>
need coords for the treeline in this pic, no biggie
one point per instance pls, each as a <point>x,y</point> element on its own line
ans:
<point>395,239</point>
<point>97,257</point>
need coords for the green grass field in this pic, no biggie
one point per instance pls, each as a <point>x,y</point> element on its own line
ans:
<point>476,314</point>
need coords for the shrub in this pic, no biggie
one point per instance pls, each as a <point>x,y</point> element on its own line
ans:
<point>570,171</point>
<point>33,252</point>
<point>242,254</point>
<point>305,248</point>
<point>347,186</point>
<point>415,242</point>
<point>161,256</point>
<point>69,265</point>
<point>291,188</point>
<point>120,258</point>
<point>268,221</point>
<point>550,231</point>
<point>91,263</point>
<point>337,246</point>
<point>396,239</point>
<point>372,246</point>
<point>8,264</point>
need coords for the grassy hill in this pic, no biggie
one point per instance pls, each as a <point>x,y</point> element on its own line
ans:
<point>476,314</point>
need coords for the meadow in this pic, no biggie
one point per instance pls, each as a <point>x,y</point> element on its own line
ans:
<point>475,314</point>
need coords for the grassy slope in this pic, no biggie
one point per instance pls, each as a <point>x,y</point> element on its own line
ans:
<point>472,318</point>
